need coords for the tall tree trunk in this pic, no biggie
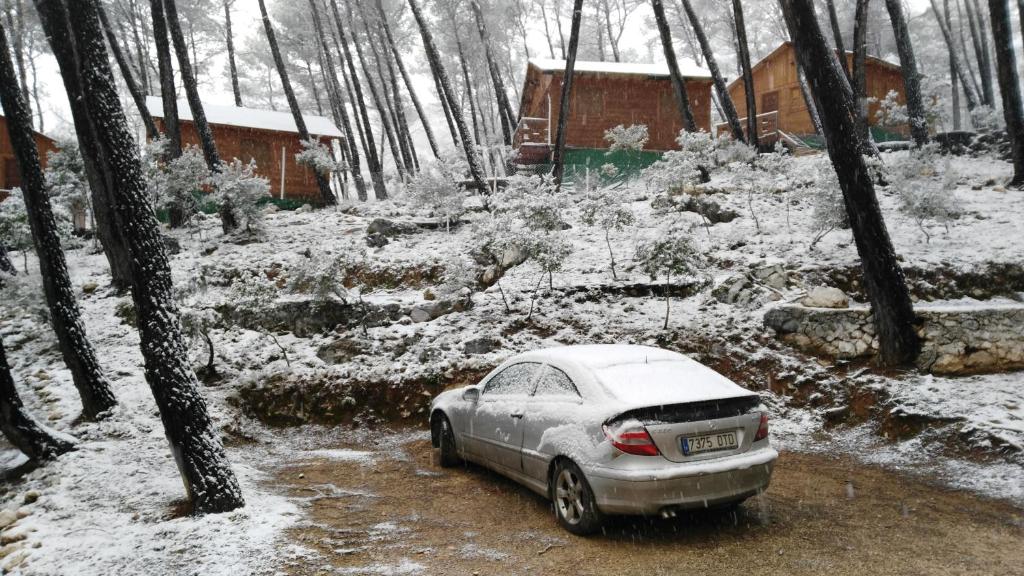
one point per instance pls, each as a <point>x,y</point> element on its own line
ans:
<point>547,28</point>
<point>359,104</point>
<point>678,83</point>
<point>883,280</point>
<point>378,101</point>
<point>75,348</point>
<point>229,37</point>
<point>748,76</point>
<point>172,126</point>
<point>986,52</point>
<point>15,16</point>
<point>338,102</point>
<point>908,66</point>
<point>728,108</point>
<point>837,36</point>
<point>969,94</point>
<point>21,429</point>
<point>981,57</point>
<point>968,66</point>
<point>188,81</point>
<point>860,56</point>
<point>558,156</point>
<point>474,114</point>
<point>434,58</point>
<point>129,80</point>
<point>809,102</point>
<point>195,444</point>
<point>608,29</point>
<point>508,118</point>
<point>327,197</point>
<point>408,82</point>
<point>955,96</point>
<point>1009,84</point>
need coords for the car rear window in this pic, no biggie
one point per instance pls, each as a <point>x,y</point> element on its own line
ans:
<point>666,382</point>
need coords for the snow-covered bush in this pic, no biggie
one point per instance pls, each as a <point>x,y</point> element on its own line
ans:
<point>828,208</point>
<point>631,138</point>
<point>460,277</point>
<point>318,157</point>
<point>320,277</point>
<point>66,184</point>
<point>670,253</point>
<point>926,185</point>
<point>678,169</point>
<point>197,323</point>
<point>15,232</point>
<point>175,184</point>
<point>238,186</point>
<point>433,189</point>
<point>256,294</point>
<point>986,119</point>
<point>533,200</point>
<point>605,209</point>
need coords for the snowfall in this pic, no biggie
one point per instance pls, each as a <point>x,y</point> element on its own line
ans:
<point>113,505</point>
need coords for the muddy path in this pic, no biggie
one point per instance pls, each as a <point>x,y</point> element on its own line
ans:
<point>391,510</point>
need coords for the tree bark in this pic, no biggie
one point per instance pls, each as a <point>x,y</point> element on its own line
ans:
<point>1009,84</point>
<point>474,114</point>
<point>327,197</point>
<point>195,444</point>
<point>372,158</point>
<point>434,58</point>
<point>406,80</point>
<point>129,80</point>
<point>884,282</point>
<point>339,104</point>
<point>558,156</point>
<point>678,84</point>
<point>911,78</point>
<point>837,36</point>
<point>65,316</point>
<point>748,75</point>
<point>860,73</point>
<point>728,108</point>
<point>229,37</point>
<point>969,94</point>
<point>21,429</point>
<point>172,127</point>
<point>508,118</point>
<point>980,43</point>
<point>812,105</point>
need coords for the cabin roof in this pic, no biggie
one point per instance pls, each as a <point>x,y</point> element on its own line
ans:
<point>687,68</point>
<point>51,139</point>
<point>249,118</point>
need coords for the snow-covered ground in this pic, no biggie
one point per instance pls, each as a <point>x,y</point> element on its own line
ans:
<point>111,506</point>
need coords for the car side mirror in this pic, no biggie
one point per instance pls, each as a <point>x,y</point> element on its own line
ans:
<point>471,394</point>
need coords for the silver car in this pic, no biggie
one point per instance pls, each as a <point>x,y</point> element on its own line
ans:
<point>610,429</point>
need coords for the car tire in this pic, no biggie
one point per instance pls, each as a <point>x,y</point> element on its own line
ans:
<point>448,455</point>
<point>573,500</point>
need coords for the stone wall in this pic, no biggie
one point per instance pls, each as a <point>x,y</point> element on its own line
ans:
<point>955,339</point>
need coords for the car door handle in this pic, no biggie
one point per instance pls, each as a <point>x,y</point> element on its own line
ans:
<point>516,414</point>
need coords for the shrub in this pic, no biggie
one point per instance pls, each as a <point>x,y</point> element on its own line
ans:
<point>670,253</point>
<point>238,186</point>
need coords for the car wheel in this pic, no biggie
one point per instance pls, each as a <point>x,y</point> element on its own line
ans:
<point>448,454</point>
<point>574,500</point>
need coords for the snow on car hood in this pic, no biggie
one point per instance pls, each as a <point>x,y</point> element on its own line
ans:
<point>677,380</point>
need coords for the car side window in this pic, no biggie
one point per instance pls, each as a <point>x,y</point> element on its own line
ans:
<point>516,379</point>
<point>554,382</point>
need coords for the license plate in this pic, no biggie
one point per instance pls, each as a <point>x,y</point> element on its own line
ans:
<point>709,443</point>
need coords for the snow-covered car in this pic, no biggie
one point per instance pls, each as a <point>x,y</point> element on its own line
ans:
<point>610,429</point>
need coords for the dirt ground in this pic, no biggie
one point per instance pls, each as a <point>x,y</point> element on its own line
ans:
<point>402,514</point>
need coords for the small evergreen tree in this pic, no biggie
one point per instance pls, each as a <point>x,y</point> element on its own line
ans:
<point>14,228</point>
<point>238,186</point>
<point>604,209</point>
<point>670,253</point>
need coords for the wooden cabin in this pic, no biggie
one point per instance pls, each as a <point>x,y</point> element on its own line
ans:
<point>266,136</point>
<point>10,173</point>
<point>780,102</point>
<point>605,95</point>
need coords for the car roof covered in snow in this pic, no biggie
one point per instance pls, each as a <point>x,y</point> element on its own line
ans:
<point>686,67</point>
<point>639,376</point>
<point>249,118</point>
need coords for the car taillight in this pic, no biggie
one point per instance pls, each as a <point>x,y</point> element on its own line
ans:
<point>631,437</point>
<point>762,429</point>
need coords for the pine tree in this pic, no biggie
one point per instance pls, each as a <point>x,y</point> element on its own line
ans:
<point>908,67</point>
<point>970,94</point>
<point>720,88</point>
<point>172,126</point>
<point>678,84</point>
<point>1009,84</point>
<point>883,279</point>
<point>77,351</point>
<point>129,79</point>
<point>230,40</point>
<point>558,155</point>
<point>748,75</point>
<point>19,427</point>
<point>198,451</point>
<point>508,118</point>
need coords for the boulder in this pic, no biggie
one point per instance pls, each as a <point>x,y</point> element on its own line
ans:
<point>7,517</point>
<point>342,350</point>
<point>376,240</point>
<point>826,297</point>
<point>171,245</point>
<point>481,345</point>
<point>391,228</point>
<point>773,276</point>
<point>90,287</point>
<point>31,497</point>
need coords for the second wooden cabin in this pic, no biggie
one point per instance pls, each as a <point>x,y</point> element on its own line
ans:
<point>266,136</point>
<point>781,108</point>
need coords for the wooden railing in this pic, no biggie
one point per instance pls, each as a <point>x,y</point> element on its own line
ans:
<point>767,128</point>
<point>532,130</point>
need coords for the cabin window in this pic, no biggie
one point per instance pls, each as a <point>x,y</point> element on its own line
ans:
<point>258,150</point>
<point>12,175</point>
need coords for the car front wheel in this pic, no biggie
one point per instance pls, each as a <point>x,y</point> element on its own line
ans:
<point>574,500</point>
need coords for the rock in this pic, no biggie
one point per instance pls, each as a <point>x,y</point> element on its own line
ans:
<point>376,240</point>
<point>405,320</point>
<point>7,518</point>
<point>774,276</point>
<point>207,250</point>
<point>342,350</point>
<point>90,287</point>
<point>391,228</point>
<point>11,549</point>
<point>13,535</point>
<point>270,208</point>
<point>15,560</point>
<point>304,209</point>
<point>481,345</point>
<point>826,297</point>
<point>420,314</point>
<point>171,245</point>
<point>31,496</point>
<point>736,289</point>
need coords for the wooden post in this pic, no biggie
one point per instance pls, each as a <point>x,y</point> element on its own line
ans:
<point>283,157</point>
